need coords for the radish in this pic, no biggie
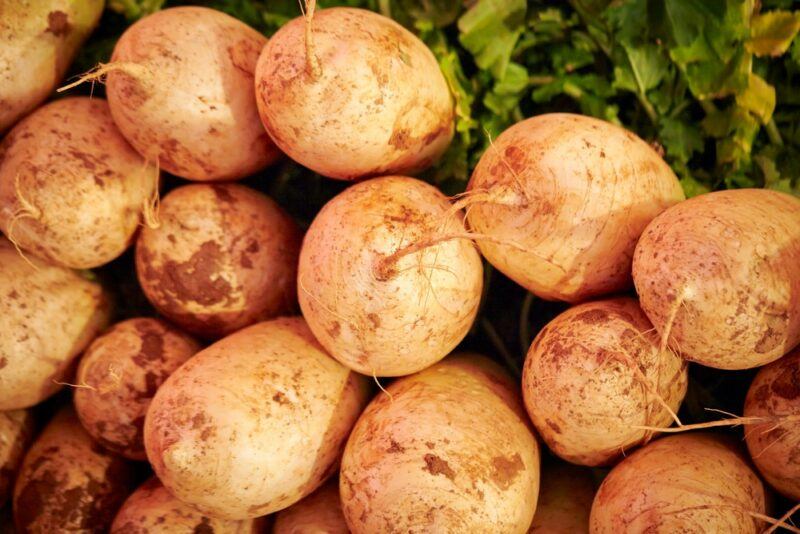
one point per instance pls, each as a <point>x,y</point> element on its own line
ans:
<point>353,94</point>
<point>379,290</point>
<point>719,277</point>
<point>574,193</point>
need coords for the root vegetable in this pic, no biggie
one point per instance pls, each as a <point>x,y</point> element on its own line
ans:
<point>180,87</point>
<point>67,483</point>
<point>375,304</point>
<point>224,257</point>
<point>16,432</point>
<point>118,376</point>
<point>719,275</point>
<point>72,190</point>
<point>48,315</point>
<point>445,450</point>
<point>319,512</point>
<point>696,482</point>
<point>151,508</point>
<point>39,40</point>
<point>596,373</point>
<point>253,423</point>
<point>775,446</point>
<point>565,500</point>
<point>353,94</point>
<point>574,193</point>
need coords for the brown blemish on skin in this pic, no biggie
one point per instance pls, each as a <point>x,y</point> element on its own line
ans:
<point>334,329</point>
<point>196,279</point>
<point>374,319</point>
<point>505,470</point>
<point>553,426</point>
<point>198,420</point>
<point>223,194</point>
<point>3,362</point>
<point>395,447</point>
<point>592,316</point>
<point>58,23</point>
<point>436,466</point>
<point>401,139</point>
<point>280,398</point>
<point>787,384</point>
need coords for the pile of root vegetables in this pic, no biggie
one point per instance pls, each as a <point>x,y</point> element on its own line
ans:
<point>316,379</point>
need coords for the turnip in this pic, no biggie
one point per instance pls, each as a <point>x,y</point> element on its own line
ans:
<point>39,40</point>
<point>67,483</point>
<point>152,509</point>
<point>595,375</point>
<point>352,94</point>
<point>775,443</point>
<point>180,87</point>
<point>224,257</point>
<point>72,190</point>
<point>119,374</point>
<point>565,500</point>
<point>446,450</point>
<point>253,423</point>
<point>694,482</point>
<point>320,512</point>
<point>565,198</point>
<point>719,277</point>
<point>374,297</point>
<point>48,315</point>
<point>16,431</point>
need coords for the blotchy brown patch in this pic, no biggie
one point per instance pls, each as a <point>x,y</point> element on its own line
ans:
<point>280,398</point>
<point>401,139</point>
<point>787,385</point>
<point>506,470</point>
<point>204,527</point>
<point>374,319</point>
<point>395,447</point>
<point>198,278</point>
<point>3,362</point>
<point>436,466</point>
<point>592,316</point>
<point>58,23</point>
<point>223,194</point>
<point>553,426</point>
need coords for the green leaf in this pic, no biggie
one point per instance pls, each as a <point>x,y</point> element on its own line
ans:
<point>490,30</point>
<point>680,139</point>
<point>771,33</point>
<point>758,98</point>
<point>646,67</point>
<point>692,188</point>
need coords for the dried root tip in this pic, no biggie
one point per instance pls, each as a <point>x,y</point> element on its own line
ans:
<point>76,386</point>
<point>152,202</point>
<point>98,73</point>
<point>312,62</point>
<point>386,266</point>
<point>685,293</point>
<point>383,389</point>
<point>776,420</point>
<point>782,521</point>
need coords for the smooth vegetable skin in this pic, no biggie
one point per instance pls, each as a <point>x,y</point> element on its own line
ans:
<point>446,450</point>
<point>224,257</point>
<point>253,423</point>
<point>319,513</point>
<point>591,378</point>
<point>40,39</point>
<point>16,432</point>
<point>48,315</point>
<point>378,103</point>
<point>565,500</point>
<point>698,482</point>
<point>180,87</point>
<point>118,376</point>
<point>721,274</point>
<point>152,509</point>
<point>68,483</point>
<point>72,190</point>
<point>775,445</point>
<point>573,193</point>
<point>388,319</point>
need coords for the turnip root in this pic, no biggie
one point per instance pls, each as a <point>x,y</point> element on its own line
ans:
<point>39,40</point>
<point>48,315</point>
<point>353,94</point>
<point>595,375</point>
<point>16,431</point>
<point>72,190</point>
<point>446,450</point>
<point>67,483</point>
<point>253,423</point>
<point>320,512</point>
<point>719,277</point>
<point>152,509</point>
<point>224,257</point>
<point>119,374</point>
<point>373,300</point>
<point>574,193</point>
<point>565,500</point>
<point>696,482</point>
<point>180,87</point>
<point>775,444</point>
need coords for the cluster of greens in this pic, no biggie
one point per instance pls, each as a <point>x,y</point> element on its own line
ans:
<point>707,82</point>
